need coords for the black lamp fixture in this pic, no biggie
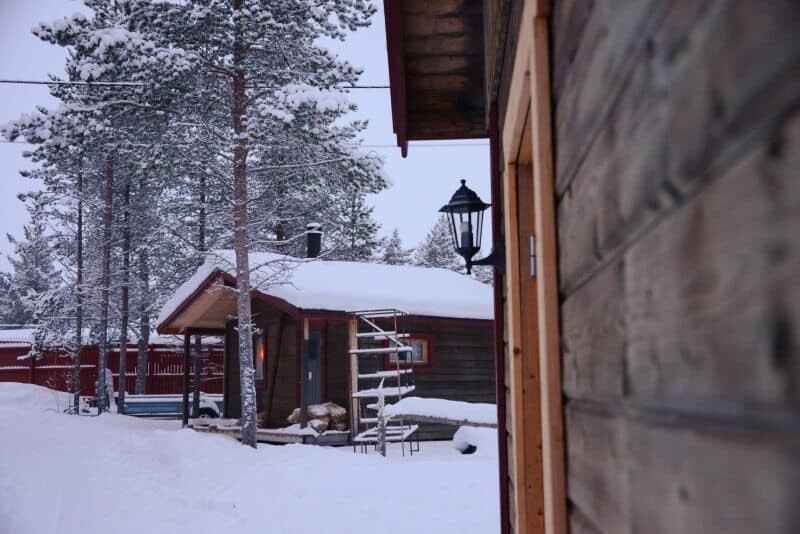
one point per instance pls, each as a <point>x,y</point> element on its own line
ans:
<point>466,211</point>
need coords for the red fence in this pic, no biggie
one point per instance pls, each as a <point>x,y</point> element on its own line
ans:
<point>164,368</point>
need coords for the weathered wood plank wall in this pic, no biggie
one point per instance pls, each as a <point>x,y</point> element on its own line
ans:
<point>677,137</point>
<point>286,381</point>
<point>338,363</point>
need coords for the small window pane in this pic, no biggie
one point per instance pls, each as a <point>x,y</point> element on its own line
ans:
<point>419,354</point>
<point>259,356</point>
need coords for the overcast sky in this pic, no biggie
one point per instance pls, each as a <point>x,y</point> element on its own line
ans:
<point>422,182</point>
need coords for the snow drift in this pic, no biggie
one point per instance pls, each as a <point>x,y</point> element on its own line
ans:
<point>113,473</point>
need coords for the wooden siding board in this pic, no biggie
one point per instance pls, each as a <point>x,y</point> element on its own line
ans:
<point>579,524</point>
<point>596,463</point>
<point>711,288</point>
<point>611,43</point>
<point>569,20</point>
<point>338,365</point>
<point>680,122</point>
<point>593,338</point>
<point>680,269</point>
<point>633,471</point>
<point>747,60</point>
<point>691,477</point>
<point>286,383</point>
<point>695,316</point>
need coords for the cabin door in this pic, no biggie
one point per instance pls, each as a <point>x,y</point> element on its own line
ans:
<point>314,366</point>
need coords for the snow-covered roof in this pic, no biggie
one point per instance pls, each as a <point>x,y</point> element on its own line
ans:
<point>24,336</point>
<point>345,286</point>
<point>18,335</point>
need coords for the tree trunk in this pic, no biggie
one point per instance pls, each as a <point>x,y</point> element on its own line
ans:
<point>201,216</point>
<point>76,370</point>
<point>198,340</point>
<point>246,372</point>
<point>126,279</point>
<point>198,364</point>
<point>105,283</point>
<point>144,323</point>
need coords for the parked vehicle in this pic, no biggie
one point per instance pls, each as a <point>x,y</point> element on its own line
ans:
<point>169,406</point>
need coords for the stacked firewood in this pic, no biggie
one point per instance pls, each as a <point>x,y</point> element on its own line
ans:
<point>322,417</point>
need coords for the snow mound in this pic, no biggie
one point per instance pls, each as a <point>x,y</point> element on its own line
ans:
<point>473,412</point>
<point>16,396</point>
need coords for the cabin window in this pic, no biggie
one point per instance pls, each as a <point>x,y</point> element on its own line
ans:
<point>259,355</point>
<point>420,355</point>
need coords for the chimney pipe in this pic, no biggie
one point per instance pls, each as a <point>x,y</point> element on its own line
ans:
<point>313,240</point>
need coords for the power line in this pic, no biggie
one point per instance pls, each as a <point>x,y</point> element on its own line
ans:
<point>432,145</point>
<point>61,82</point>
<point>141,84</point>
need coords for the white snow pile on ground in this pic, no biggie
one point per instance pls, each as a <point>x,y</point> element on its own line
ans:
<point>113,473</point>
<point>474,412</point>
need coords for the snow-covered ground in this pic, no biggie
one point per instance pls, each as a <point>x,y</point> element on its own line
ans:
<point>64,474</point>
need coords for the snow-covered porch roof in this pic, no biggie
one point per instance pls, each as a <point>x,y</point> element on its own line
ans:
<point>297,286</point>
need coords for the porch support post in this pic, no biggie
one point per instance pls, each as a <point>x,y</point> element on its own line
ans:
<point>304,375</point>
<point>198,364</point>
<point>352,329</point>
<point>187,340</point>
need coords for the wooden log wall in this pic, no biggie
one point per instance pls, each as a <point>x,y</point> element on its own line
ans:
<point>285,397</point>
<point>677,138</point>
<point>338,364</point>
<point>462,369</point>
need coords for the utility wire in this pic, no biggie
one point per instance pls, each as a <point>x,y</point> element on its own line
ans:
<point>432,145</point>
<point>61,82</point>
<point>140,84</point>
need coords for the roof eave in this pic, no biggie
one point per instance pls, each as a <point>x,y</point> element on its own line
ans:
<point>397,77</point>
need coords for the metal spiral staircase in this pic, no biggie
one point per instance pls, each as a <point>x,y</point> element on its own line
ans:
<point>381,368</point>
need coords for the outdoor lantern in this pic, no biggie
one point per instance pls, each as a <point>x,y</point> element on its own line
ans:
<point>466,211</point>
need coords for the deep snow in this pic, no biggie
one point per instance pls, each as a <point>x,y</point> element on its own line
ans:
<point>138,476</point>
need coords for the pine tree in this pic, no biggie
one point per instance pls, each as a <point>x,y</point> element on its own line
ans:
<point>393,252</point>
<point>11,310</point>
<point>437,248</point>
<point>353,234</point>
<point>265,113</point>
<point>231,131</point>
<point>483,274</point>
<point>32,263</point>
<point>35,285</point>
